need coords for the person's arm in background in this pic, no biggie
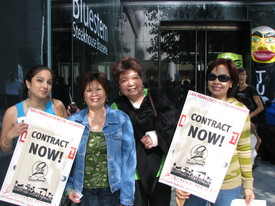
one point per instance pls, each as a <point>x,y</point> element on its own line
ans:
<point>254,131</point>
<point>260,106</point>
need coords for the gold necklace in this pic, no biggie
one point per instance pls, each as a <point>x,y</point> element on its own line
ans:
<point>40,108</point>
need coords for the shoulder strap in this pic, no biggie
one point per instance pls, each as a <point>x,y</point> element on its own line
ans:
<point>122,103</point>
<point>20,109</point>
<point>152,103</point>
<point>124,106</point>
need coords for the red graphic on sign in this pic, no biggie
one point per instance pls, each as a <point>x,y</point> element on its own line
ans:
<point>182,120</point>
<point>72,153</point>
<point>23,136</point>
<point>234,138</point>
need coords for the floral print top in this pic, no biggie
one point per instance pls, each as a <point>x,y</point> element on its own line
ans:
<point>96,170</point>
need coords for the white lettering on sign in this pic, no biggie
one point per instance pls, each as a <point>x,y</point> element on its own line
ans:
<point>89,29</point>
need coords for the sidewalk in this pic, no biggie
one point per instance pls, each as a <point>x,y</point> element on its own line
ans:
<point>264,183</point>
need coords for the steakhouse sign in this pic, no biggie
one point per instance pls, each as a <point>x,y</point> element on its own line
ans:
<point>88,27</point>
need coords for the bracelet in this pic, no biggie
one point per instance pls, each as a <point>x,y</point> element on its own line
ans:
<point>5,143</point>
<point>69,191</point>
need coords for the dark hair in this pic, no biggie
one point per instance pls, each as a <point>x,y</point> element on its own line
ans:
<point>233,72</point>
<point>31,73</point>
<point>88,77</point>
<point>242,69</point>
<point>124,64</point>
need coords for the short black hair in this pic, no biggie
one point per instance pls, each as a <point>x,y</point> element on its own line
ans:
<point>124,64</point>
<point>88,77</point>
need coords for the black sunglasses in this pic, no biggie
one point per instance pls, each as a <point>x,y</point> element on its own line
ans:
<point>221,78</point>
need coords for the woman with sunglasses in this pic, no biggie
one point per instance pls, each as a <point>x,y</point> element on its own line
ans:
<point>222,80</point>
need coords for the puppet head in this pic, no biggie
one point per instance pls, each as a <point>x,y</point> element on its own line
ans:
<point>236,58</point>
<point>263,44</point>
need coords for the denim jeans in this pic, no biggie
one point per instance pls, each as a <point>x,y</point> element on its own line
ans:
<point>99,197</point>
<point>224,198</point>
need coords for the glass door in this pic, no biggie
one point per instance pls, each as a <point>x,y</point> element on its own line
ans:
<point>187,48</point>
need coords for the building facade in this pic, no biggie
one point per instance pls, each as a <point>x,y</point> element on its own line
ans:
<point>174,41</point>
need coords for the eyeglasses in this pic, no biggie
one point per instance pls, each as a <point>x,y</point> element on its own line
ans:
<point>221,77</point>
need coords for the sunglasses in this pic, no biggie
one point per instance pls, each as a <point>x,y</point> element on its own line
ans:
<point>221,78</point>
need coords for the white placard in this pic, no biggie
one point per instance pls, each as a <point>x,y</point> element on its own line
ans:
<point>203,144</point>
<point>42,160</point>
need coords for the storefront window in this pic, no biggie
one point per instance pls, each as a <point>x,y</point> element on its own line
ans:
<point>22,39</point>
<point>86,37</point>
<point>176,52</point>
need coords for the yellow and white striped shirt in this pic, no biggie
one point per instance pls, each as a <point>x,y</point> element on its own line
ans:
<point>240,168</point>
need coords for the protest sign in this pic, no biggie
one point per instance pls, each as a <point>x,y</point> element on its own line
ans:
<point>42,160</point>
<point>203,144</point>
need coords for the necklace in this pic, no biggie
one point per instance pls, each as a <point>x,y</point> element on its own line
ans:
<point>42,108</point>
<point>92,119</point>
<point>96,117</point>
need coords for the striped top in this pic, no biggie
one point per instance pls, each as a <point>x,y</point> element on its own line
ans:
<point>240,168</point>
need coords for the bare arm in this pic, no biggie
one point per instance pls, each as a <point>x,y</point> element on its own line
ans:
<point>254,131</point>
<point>10,129</point>
<point>59,108</point>
<point>260,106</point>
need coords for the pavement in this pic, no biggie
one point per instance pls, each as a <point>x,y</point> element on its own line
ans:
<point>264,178</point>
<point>264,181</point>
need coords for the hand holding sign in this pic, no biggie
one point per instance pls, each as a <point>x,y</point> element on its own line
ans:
<point>42,160</point>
